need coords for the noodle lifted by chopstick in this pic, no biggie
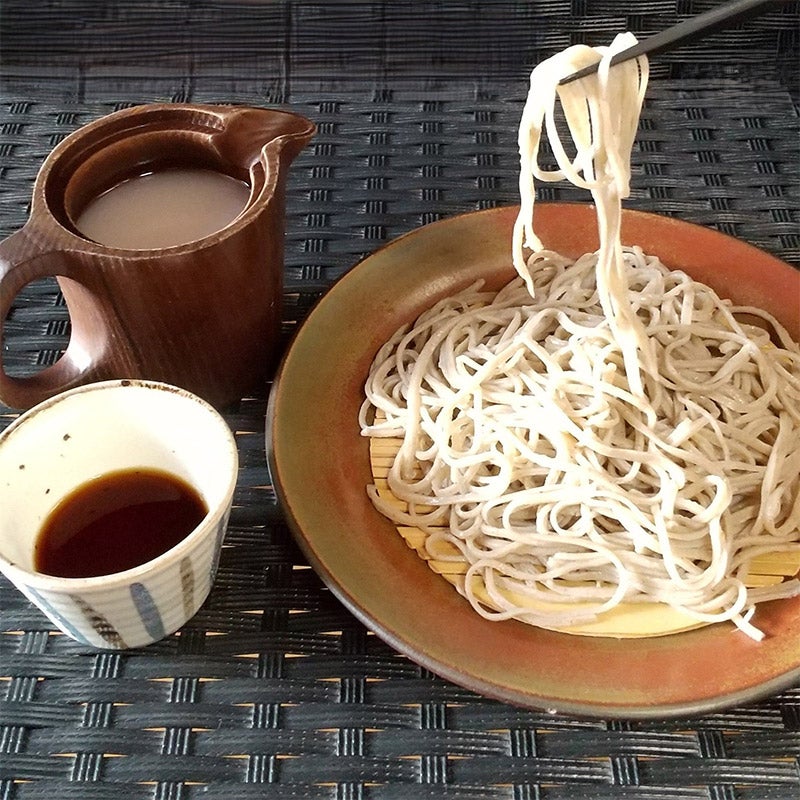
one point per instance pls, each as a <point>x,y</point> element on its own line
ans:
<point>599,431</point>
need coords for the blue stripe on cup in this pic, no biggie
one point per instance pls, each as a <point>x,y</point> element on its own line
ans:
<point>148,611</point>
<point>60,620</point>
<point>99,623</point>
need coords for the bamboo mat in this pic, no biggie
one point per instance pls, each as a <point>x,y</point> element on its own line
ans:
<point>274,690</point>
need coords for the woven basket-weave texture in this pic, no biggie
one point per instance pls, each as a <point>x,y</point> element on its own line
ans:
<point>274,690</point>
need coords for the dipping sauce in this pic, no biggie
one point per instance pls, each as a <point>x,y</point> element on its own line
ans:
<point>164,209</point>
<point>115,522</point>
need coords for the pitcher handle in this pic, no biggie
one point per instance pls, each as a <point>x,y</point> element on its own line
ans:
<point>23,260</point>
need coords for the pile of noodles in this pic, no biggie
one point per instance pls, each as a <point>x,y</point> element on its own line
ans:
<point>599,431</point>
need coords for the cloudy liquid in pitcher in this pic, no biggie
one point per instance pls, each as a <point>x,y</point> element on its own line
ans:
<point>164,209</point>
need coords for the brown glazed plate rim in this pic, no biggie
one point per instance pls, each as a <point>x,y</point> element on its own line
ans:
<point>320,467</point>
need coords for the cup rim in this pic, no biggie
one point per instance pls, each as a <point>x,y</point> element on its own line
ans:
<point>214,516</point>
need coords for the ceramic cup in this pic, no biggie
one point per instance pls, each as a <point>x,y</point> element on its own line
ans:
<point>204,315</point>
<point>87,432</point>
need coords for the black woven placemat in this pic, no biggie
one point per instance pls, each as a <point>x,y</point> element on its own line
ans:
<point>273,690</point>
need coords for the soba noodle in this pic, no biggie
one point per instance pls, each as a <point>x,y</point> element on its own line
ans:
<point>598,431</point>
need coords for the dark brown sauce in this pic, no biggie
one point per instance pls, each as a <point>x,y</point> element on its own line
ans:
<point>115,522</point>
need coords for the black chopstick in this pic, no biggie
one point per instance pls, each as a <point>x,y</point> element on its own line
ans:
<point>686,31</point>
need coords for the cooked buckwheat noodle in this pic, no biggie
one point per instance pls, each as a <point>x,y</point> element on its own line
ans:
<point>599,431</point>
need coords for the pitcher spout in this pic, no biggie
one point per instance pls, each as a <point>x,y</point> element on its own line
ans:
<point>289,133</point>
<point>263,143</point>
<point>247,134</point>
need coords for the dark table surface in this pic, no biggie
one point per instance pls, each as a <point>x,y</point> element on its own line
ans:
<point>274,690</point>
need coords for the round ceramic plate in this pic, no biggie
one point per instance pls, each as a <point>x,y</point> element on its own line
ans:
<point>320,468</point>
